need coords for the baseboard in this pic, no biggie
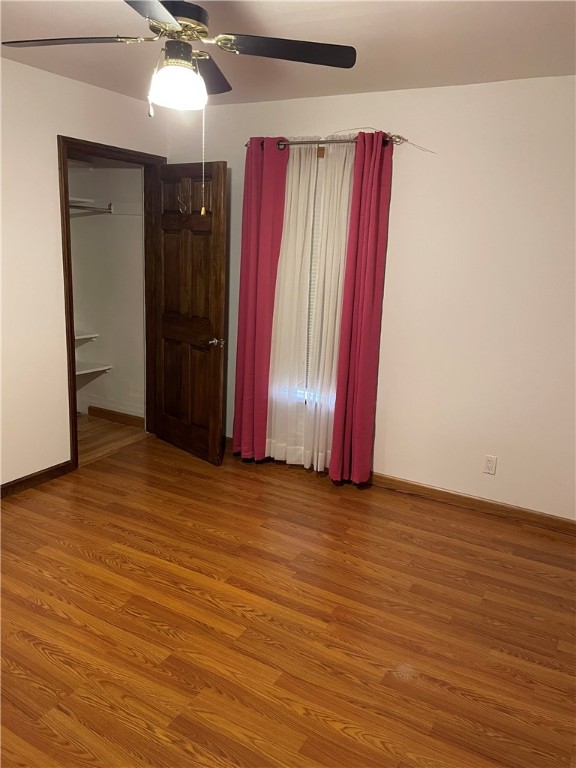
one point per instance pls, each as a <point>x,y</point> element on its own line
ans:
<point>110,404</point>
<point>121,418</point>
<point>228,444</point>
<point>36,478</point>
<point>507,511</point>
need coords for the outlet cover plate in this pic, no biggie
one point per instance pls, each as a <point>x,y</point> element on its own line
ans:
<point>490,465</point>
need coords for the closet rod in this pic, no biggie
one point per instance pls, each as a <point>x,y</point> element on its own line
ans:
<point>91,208</point>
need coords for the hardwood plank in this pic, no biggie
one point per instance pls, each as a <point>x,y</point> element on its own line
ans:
<point>19,753</point>
<point>77,668</point>
<point>79,625</point>
<point>77,747</point>
<point>25,688</point>
<point>474,654</point>
<point>119,720</point>
<point>268,701</point>
<point>99,437</point>
<point>161,611</point>
<point>347,676</point>
<point>269,738</point>
<point>227,751</point>
<point>493,713</point>
<point>61,580</point>
<point>374,733</point>
<point>327,752</point>
<point>459,666</point>
<point>173,595</point>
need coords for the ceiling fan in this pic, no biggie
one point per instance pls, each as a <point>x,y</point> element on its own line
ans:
<point>185,25</point>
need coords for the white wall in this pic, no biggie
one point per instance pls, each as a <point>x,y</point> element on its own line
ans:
<point>477,351</point>
<point>36,107</point>
<point>108,279</point>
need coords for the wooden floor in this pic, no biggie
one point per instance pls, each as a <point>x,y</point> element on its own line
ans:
<point>162,612</point>
<point>100,437</point>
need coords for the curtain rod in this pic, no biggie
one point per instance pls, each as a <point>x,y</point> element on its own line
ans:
<point>387,137</point>
<point>282,144</point>
<point>395,139</point>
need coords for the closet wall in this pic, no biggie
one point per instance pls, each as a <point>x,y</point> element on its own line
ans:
<point>108,286</point>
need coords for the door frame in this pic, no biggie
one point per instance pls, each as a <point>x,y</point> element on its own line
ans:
<point>78,149</point>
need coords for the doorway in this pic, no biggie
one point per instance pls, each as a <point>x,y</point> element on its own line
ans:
<point>182,306</point>
<point>90,177</point>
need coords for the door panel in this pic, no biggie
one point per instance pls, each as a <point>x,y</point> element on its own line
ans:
<point>190,311</point>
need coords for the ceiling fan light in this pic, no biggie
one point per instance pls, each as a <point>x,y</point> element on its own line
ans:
<point>177,86</point>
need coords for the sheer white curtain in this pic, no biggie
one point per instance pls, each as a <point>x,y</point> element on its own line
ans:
<point>308,300</point>
<point>326,306</point>
<point>287,382</point>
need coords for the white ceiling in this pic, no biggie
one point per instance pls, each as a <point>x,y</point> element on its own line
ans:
<point>401,44</point>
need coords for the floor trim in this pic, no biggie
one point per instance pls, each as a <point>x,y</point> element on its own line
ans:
<point>37,478</point>
<point>508,511</point>
<point>121,418</point>
<point>519,515</point>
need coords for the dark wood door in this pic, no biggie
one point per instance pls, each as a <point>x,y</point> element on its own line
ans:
<point>189,309</point>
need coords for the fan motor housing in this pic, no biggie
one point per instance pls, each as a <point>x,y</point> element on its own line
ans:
<point>190,12</point>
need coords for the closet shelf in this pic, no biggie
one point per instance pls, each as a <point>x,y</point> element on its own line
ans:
<point>83,367</point>
<point>81,335</point>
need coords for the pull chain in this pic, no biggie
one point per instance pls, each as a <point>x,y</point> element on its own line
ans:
<point>203,191</point>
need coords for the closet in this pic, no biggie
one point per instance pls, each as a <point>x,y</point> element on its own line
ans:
<point>144,247</point>
<point>107,253</point>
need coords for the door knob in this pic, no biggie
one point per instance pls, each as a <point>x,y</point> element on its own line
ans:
<point>216,342</point>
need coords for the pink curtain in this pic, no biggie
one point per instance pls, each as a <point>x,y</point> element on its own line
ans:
<point>262,218</point>
<point>355,409</point>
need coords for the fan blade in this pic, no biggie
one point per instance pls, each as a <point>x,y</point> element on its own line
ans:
<point>74,41</point>
<point>329,55</point>
<point>213,77</point>
<point>155,11</point>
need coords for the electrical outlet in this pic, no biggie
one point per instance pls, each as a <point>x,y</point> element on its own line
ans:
<point>490,465</point>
